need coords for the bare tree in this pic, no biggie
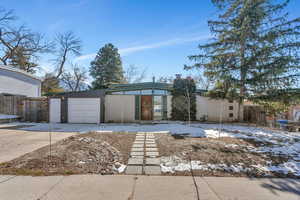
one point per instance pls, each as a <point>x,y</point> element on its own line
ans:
<point>19,46</point>
<point>165,79</point>
<point>6,16</point>
<point>74,80</point>
<point>133,75</point>
<point>68,44</point>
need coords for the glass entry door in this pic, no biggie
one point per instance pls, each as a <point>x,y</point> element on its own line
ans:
<point>157,108</point>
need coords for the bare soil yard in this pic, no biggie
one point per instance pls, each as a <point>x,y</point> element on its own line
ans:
<point>100,153</point>
<point>225,156</point>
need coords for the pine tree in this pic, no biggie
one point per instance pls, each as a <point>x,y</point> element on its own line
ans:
<point>255,47</point>
<point>184,99</point>
<point>107,68</point>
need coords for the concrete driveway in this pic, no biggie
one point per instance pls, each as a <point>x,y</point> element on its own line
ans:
<point>14,143</point>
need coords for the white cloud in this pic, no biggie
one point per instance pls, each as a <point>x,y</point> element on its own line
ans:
<point>130,50</point>
<point>85,57</point>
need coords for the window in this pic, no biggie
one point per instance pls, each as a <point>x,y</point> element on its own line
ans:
<point>157,108</point>
<point>230,107</point>
<point>133,92</point>
<point>159,92</point>
<point>230,101</point>
<point>146,92</point>
<point>116,93</point>
<point>230,114</point>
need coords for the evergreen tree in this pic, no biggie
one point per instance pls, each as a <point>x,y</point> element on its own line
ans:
<point>184,99</point>
<point>107,68</point>
<point>255,47</point>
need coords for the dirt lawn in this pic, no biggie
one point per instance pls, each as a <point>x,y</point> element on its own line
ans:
<point>225,156</point>
<point>98,153</point>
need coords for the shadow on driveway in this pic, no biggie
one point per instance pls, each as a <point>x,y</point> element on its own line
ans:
<point>277,186</point>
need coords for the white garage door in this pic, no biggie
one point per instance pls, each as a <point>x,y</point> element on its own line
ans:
<point>54,111</point>
<point>84,110</point>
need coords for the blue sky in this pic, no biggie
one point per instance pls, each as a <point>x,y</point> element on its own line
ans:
<point>153,34</point>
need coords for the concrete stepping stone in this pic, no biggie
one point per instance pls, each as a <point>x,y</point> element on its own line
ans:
<point>134,170</point>
<point>152,170</point>
<point>136,153</point>
<point>138,145</point>
<point>150,142</point>
<point>137,164</point>
<point>135,161</point>
<point>141,157</point>
<point>137,149</point>
<point>150,145</point>
<point>152,161</point>
<point>140,136</point>
<point>138,142</point>
<point>152,154</point>
<point>151,149</point>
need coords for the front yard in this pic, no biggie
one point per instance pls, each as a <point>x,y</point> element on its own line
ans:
<point>237,150</point>
<point>104,153</point>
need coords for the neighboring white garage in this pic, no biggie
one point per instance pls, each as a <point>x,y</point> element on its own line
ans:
<point>84,110</point>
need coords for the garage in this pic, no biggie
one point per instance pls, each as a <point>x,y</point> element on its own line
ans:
<point>84,110</point>
<point>77,107</point>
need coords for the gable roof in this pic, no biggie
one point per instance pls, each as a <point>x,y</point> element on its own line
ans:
<point>13,69</point>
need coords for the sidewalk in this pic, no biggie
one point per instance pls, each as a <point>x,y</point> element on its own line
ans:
<point>78,187</point>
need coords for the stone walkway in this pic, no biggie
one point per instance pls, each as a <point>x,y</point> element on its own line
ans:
<point>144,156</point>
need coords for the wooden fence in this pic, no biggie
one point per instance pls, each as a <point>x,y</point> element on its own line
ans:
<point>254,114</point>
<point>11,105</point>
<point>28,109</point>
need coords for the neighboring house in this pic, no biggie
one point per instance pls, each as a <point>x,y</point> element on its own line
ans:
<point>131,103</point>
<point>293,113</point>
<point>18,82</point>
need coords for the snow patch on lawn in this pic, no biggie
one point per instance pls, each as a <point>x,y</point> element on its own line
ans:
<point>173,163</point>
<point>284,168</point>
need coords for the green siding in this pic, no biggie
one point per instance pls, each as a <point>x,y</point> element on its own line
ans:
<point>164,108</point>
<point>137,107</point>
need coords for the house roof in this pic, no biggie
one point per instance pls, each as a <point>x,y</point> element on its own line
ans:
<point>87,93</point>
<point>139,86</point>
<point>13,69</point>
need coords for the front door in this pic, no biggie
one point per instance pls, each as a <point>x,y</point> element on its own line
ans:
<point>146,107</point>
